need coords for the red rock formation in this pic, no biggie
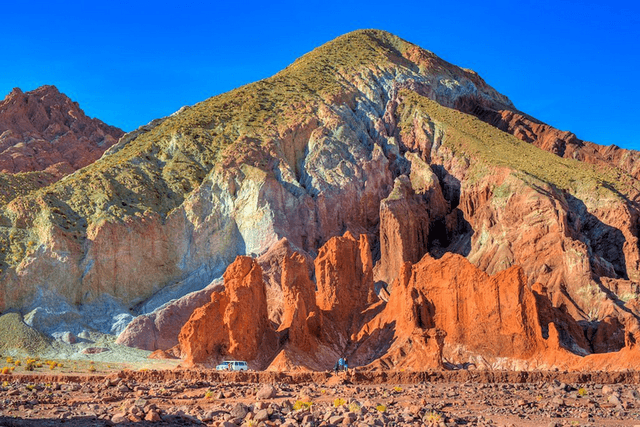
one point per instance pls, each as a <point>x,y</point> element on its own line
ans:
<point>437,307</point>
<point>414,206</point>
<point>489,316</point>
<point>301,318</point>
<point>234,323</point>
<point>344,276</point>
<point>402,335</point>
<point>43,128</point>
<point>302,323</point>
<point>404,230</point>
<point>272,266</point>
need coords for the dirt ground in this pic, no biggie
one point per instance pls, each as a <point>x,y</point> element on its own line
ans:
<point>205,397</point>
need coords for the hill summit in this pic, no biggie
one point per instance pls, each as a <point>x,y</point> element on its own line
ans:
<point>43,128</point>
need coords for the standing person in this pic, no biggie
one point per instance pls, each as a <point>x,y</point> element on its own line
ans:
<point>345,365</point>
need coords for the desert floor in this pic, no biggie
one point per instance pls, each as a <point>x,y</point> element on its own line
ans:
<point>164,397</point>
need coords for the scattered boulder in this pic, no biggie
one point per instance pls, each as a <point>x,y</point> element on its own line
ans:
<point>267,391</point>
<point>68,338</point>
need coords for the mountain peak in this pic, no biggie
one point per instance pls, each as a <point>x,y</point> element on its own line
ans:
<point>47,89</point>
<point>56,128</point>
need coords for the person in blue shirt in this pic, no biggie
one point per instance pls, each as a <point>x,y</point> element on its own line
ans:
<point>341,365</point>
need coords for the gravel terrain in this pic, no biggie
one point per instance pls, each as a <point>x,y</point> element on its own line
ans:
<point>175,397</point>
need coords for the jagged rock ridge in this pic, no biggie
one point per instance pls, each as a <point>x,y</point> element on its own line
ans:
<point>43,128</point>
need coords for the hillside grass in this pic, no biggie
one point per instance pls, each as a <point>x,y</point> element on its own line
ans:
<point>15,335</point>
<point>483,144</point>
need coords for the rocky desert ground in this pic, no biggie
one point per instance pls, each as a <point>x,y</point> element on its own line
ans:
<point>168,397</point>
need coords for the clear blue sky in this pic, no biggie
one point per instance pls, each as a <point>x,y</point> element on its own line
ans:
<point>572,64</point>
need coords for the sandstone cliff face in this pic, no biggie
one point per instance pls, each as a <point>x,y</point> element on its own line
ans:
<point>403,334</point>
<point>485,318</point>
<point>415,206</point>
<point>302,318</point>
<point>42,128</point>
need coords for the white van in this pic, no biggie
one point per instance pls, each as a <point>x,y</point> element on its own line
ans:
<point>232,365</point>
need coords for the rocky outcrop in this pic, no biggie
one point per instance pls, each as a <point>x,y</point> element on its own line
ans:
<point>403,334</point>
<point>302,320</point>
<point>273,268</point>
<point>233,323</point>
<point>494,316</point>
<point>344,277</point>
<point>404,230</point>
<point>415,206</point>
<point>160,328</point>
<point>43,128</point>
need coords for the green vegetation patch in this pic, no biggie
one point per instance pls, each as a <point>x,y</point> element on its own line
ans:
<point>15,335</point>
<point>482,144</point>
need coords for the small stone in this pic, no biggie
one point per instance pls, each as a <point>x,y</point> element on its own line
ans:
<point>134,418</point>
<point>119,418</point>
<point>336,419</point>
<point>68,338</point>
<point>266,392</point>
<point>614,400</point>
<point>239,411</point>
<point>152,416</point>
<point>349,418</point>
<point>261,415</point>
<point>208,416</point>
